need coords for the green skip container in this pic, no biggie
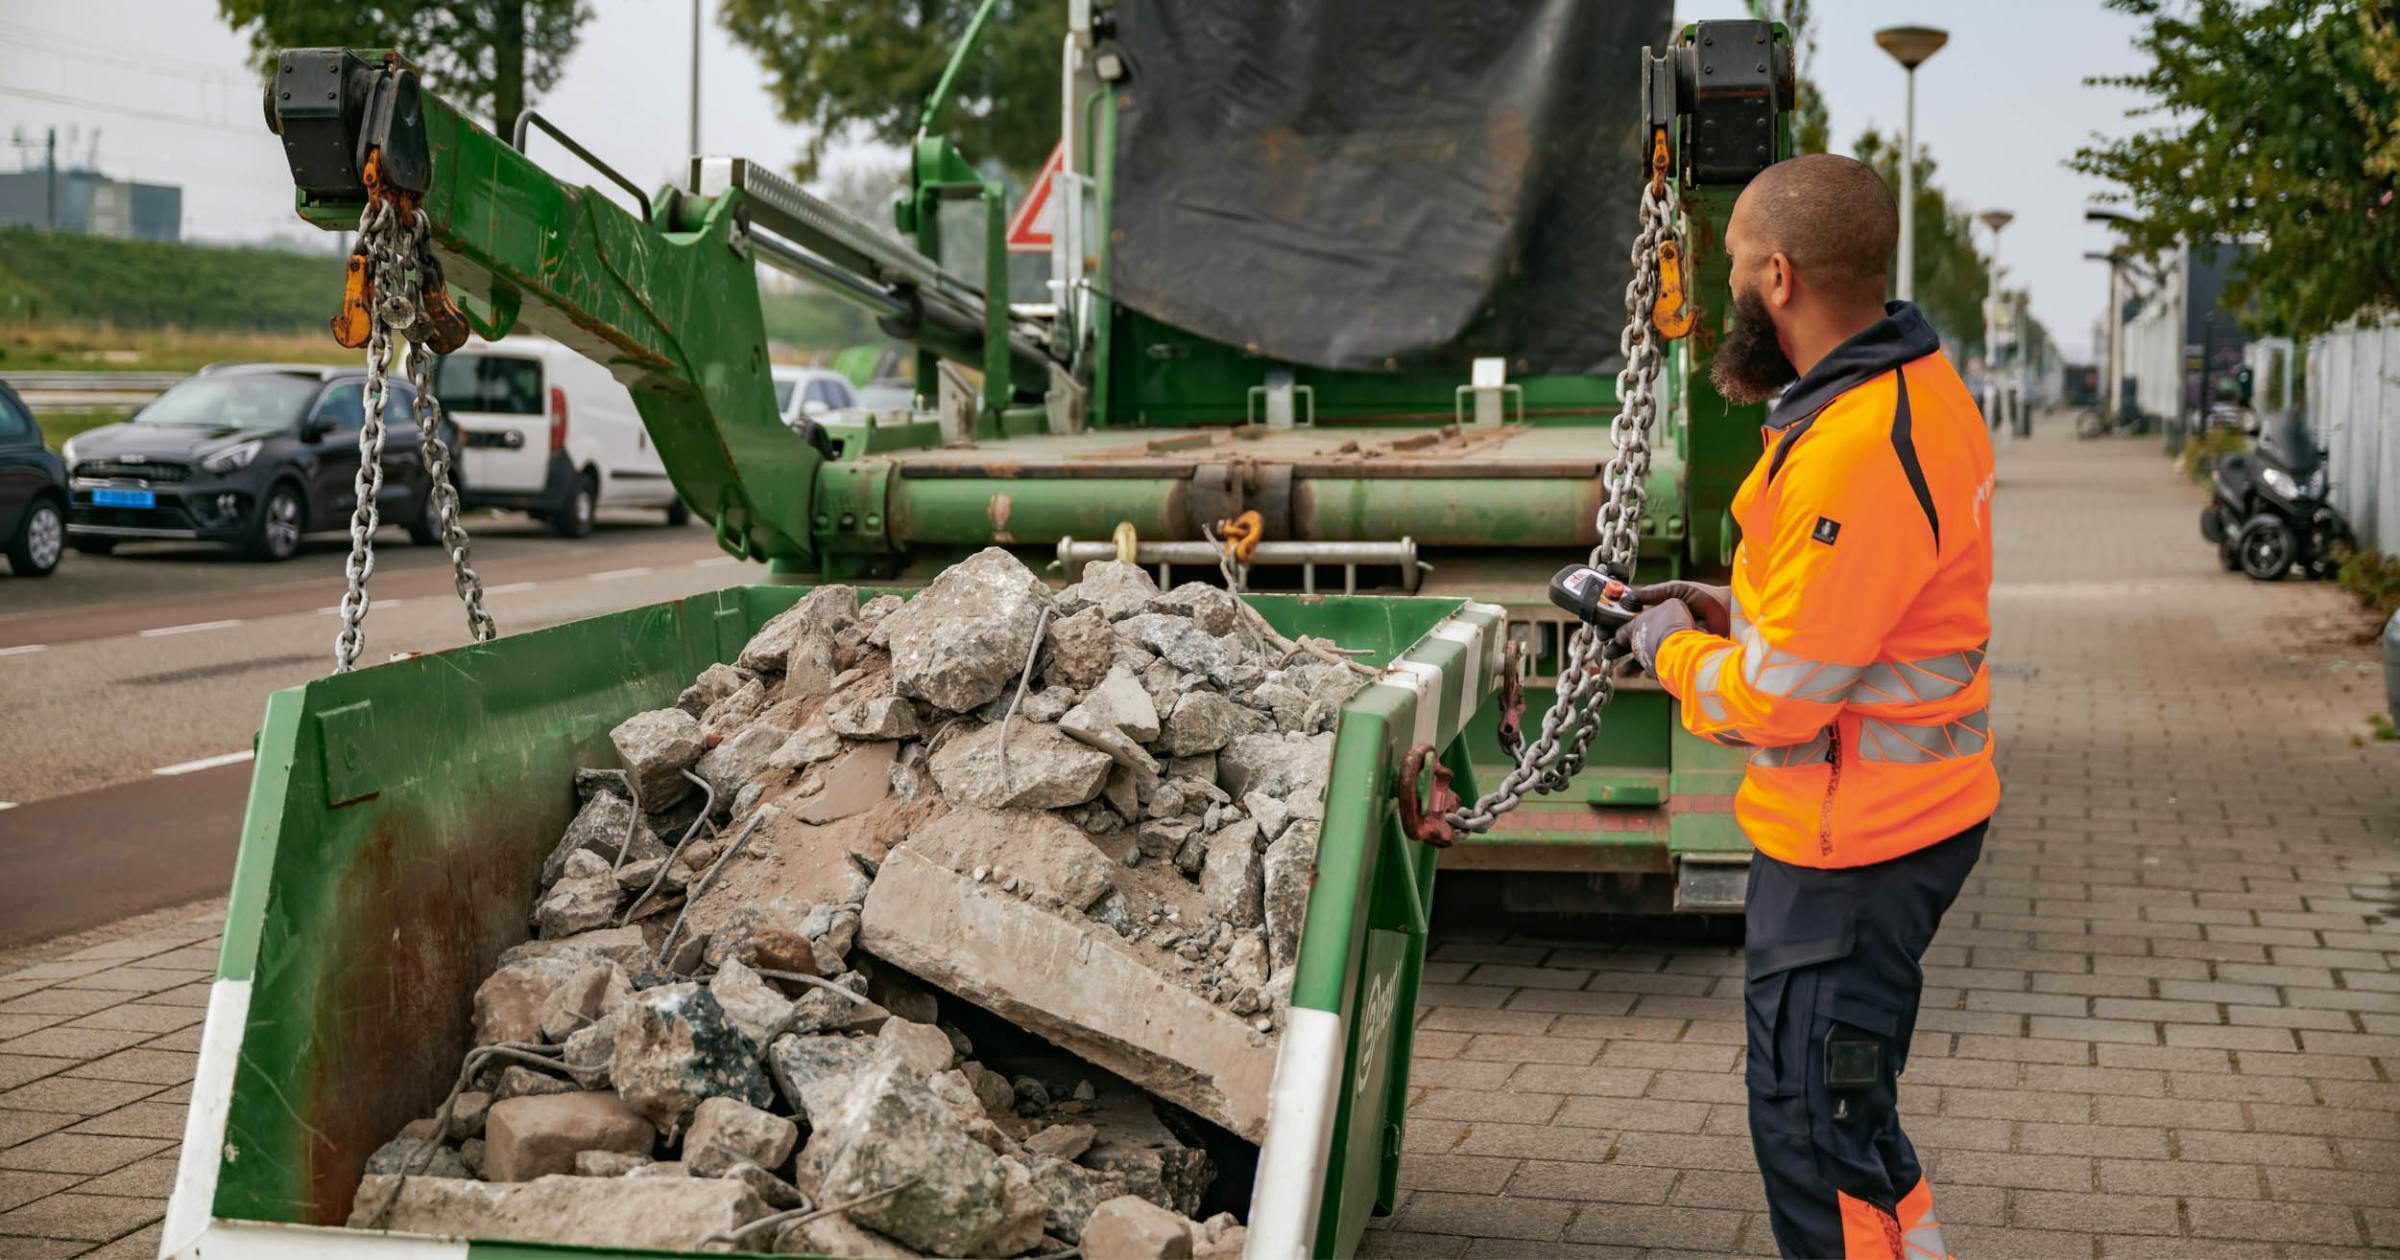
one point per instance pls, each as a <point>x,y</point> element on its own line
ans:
<point>397,822</point>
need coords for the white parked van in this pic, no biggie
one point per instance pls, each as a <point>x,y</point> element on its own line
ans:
<point>803,394</point>
<point>550,432</point>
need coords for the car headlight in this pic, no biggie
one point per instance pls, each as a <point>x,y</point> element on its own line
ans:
<point>2317,483</point>
<point>2280,482</point>
<point>66,451</point>
<point>232,457</point>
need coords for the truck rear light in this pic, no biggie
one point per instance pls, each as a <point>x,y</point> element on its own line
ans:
<point>558,419</point>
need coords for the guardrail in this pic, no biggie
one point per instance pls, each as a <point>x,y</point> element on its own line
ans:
<point>94,382</point>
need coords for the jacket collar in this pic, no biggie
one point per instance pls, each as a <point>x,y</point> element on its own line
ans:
<point>1901,336</point>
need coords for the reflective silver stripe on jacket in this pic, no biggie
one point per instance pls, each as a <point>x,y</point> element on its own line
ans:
<point>1771,671</point>
<point>1909,682</point>
<point>1907,743</point>
<point>1811,753</point>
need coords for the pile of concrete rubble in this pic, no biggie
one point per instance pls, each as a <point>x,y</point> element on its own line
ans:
<point>1088,816</point>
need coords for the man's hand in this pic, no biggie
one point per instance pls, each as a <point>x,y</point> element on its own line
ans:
<point>1642,635</point>
<point>1712,606</point>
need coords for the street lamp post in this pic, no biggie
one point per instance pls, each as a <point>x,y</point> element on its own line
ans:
<point>2116,311</point>
<point>2001,386</point>
<point>1910,46</point>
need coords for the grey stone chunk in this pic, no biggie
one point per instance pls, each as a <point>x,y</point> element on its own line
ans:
<point>818,1011</point>
<point>1290,868</point>
<point>726,1133</point>
<point>623,946</point>
<point>664,1213</point>
<point>890,1129</point>
<point>525,1138</point>
<point>1232,879</point>
<point>1078,650</point>
<point>813,663</point>
<point>1154,1164</point>
<point>1046,768</point>
<point>657,747</point>
<point>1202,722</point>
<point>801,1062</point>
<point>508,1004</point>
<point>1069,1192</point>
<point>1333,689</point>
<point>838,1236</point>
<point>1060,1141</point>
<point>583,899</point>
<point>524,1082</point>
<point>731,763</point>
<point>466,1115</point>
<point>1048,705</point>
<point>921,1046</point>
<point>755,1007</point>
<point>732,711</point>
<point>771,1190</point>
<point>964,639</point>
<point>591,781</point>
<point>1269,812</point>
<point>1164,838</point>
<point>1118,703</point>
<point>1180,643</point>
<point>1049,854</point>
<point>1118,589</point>
<point>583,999</point>
<point>881,717</point>
<point>609,1163</point>
<point>823,610</point>
<point>714,683</point>
<point>810,744</point>
<point>418,1156</point>
<point>1292,767</point>
<point>1212,608</point>
<point>1131,1228</point>
<point>769,934</point>
<point>675,1047</point>
<point>601,827</point>
<point>872,613</point>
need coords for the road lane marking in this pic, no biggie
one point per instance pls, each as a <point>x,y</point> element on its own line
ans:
<point>510,589</point>
<point>714,562</point>
<point>205,763</point>
<point>22,648</point>
<point>193,627</point>
<point>8,804</point>
<point>614,575</point>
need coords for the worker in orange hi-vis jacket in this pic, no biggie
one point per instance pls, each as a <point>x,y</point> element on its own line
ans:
<point>1848,656</point>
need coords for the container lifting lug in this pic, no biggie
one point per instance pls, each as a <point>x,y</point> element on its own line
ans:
<point>1427,819</point>
<point>1512,697</point>
<point>1672,314</point>
<point>447,329</point>
<point>1242,535</point>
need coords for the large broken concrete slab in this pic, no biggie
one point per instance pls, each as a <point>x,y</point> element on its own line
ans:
<point>1072,982</point>
<point>668,1213</point>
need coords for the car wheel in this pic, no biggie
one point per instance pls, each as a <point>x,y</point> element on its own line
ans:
<point>41,539</point>
<point>678,515</point>
<point>426,530</point>
<point>2268,548</point>
<point>93,546</point>
<point>575,519</point>
<point>275,530</point>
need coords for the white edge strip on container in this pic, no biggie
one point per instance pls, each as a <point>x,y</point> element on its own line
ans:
<point>1290,1183</point>
<point>1468,636</point>
<point>253,1240</point>
<point>1425,682</point>
<point>195,1194</point>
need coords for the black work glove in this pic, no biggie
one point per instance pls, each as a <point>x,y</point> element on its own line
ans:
<point>1641,636</point>
<point>1712,606</point>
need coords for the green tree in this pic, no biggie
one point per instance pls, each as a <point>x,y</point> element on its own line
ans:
<point>2278,122</point>
<point>479,54</point>
<point>1810,125</point>
<point>1951,278</point>
<point>868,65</point>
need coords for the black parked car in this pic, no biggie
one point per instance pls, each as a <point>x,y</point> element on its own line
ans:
<point>33,492</point>
<point>255,455</point>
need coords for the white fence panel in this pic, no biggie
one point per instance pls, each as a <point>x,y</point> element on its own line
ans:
<point>2354,412</point>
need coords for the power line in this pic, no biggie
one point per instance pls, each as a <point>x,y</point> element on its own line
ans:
<point>20,31</point>
<point>154,115</point>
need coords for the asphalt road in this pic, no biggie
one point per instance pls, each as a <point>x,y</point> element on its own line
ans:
<point>131,686</point>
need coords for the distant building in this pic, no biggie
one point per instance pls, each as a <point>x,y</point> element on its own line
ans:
<point>2180,340</point>
<point>91,204</point>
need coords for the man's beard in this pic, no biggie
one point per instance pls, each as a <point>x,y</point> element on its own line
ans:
<point>1750,365</point>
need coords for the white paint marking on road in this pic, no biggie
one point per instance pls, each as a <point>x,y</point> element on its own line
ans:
<point>205,763</point>
<point>510,588</point>
<point>715,562</point>
<point>23,648</point>
<point>195,626</point>
<point>613,575</point>
<point>8,804</point>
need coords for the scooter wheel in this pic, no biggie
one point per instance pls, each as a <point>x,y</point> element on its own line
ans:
<point>2267,548</point>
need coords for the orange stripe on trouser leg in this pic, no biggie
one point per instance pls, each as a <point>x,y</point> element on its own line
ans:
<point>1920,1234</point>
<point>1868,1232</point>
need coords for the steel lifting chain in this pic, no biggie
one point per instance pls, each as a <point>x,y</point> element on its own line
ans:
<point>393,242</point>
<point>1586,678</point>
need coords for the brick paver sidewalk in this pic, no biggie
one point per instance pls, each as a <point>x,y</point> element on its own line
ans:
<point>2164,1020</point>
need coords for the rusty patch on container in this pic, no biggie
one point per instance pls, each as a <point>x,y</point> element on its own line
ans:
<point>998,509</point>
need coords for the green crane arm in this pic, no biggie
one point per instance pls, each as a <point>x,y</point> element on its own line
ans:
<point>670,305</point>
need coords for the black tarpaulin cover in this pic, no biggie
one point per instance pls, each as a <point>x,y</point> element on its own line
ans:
<point>1366,184</point>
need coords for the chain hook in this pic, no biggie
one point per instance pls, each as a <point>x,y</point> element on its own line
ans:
<point>1427,818</point>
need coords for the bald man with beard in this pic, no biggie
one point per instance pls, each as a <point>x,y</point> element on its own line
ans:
<point>1847,654</point>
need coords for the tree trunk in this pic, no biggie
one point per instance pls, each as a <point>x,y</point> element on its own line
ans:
<point>508,64</point>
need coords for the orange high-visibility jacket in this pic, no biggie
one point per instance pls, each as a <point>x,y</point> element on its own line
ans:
<point>1861,613</point>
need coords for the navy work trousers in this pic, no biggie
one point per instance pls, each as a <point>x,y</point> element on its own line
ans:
<point>1832,981</point>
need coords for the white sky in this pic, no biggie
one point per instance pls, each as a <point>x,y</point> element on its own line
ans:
<point>167,89</point>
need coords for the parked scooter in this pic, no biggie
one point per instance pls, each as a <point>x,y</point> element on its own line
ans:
<point>2268,513</point>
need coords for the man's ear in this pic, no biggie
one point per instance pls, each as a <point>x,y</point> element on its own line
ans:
<point>1781,287</point>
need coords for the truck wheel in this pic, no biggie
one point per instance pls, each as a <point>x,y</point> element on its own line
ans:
<point>40,540</point>
<point>275,531</point>
<point>2267,548</point>
<point>575,519</point>
<point>678,515</point>
<point>426,529</point>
